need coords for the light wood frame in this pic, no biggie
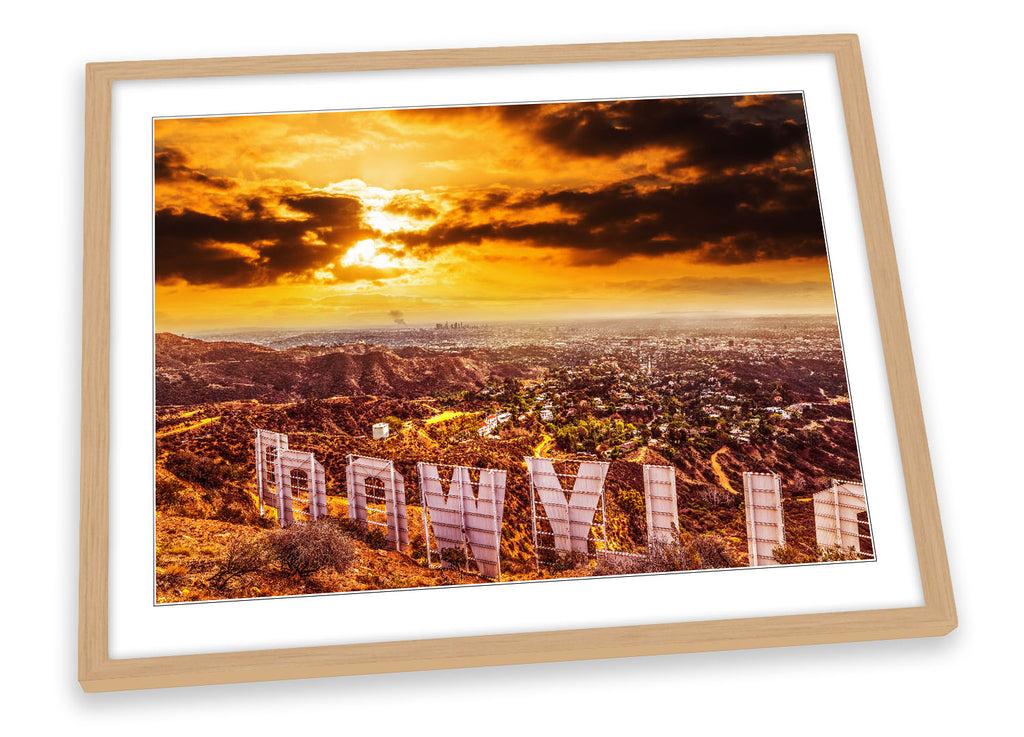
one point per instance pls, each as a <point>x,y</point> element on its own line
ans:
<point>98,672</point>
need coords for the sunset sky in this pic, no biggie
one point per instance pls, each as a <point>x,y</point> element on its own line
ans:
<point>567,210</point>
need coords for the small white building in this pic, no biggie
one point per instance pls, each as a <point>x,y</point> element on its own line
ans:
<point>490,424</point>
<point>381,430</point>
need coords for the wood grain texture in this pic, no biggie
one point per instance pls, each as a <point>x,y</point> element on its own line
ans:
<point>98,672</point>
<point>94,504</point>
<point>895,335</point>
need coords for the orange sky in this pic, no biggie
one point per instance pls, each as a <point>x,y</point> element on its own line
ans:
<point>490,213</point>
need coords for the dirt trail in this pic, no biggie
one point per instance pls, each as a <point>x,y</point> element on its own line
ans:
<point>723,480</point>
<point>186,428</point>
<point>439,417</point>
<point>542,447</point>
<point>443,416</point>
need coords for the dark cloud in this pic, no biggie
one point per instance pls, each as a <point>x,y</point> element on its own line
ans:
<point>713,134</point>
<point>326,210</point>
<point>170,164</point>
<point>251,246</point>
<point>747,194</point>
<point>249,243</point>
<point>754,196</point>
<point>411,206</point>
<point>725,219</point>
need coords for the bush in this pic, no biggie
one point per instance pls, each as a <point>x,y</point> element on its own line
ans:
<point>622,565</point>
<point>709,551</point>
<point>376,538</point>
<point>666,557</point>
<point>558,562</point>
<point>394,423</point>
<point>174,572</point>
<point>306,549</point>
<point>241,558</point>
<point>454,557</point>
<point>351,527</point>
<point>201,470</point>
<point>168,492</point>
<point>419,548</point>
<point>716,496</point>
<point>835,553</point>
<point>686,553</point>
<point>790,554</point>
<point>234,512</point>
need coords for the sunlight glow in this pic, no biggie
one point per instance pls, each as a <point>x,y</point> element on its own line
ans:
<point>366,253</point>
<point>386,222</point>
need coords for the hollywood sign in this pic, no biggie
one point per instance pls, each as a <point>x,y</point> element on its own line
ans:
<point>840,518</point>
<point>292,482</point>
<point>463,506</point>
<point>762,498</point>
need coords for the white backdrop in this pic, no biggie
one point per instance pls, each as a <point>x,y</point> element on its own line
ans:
<point>943,92</point>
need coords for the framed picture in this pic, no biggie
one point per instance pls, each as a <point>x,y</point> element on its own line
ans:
<point>435,359</point>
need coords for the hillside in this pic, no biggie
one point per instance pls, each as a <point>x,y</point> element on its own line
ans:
<point>191,371</point>
<point>189,551</point>
<point>206,493</point>
<point>759,405</point>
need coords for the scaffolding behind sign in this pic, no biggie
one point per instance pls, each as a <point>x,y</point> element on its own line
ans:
<point>292,482</point>
<point>660,502</point>
<point>564,521</point>
<point>466,516</point>
<point>841,518</point>
<point>376,496</point>
<point>762,497</point>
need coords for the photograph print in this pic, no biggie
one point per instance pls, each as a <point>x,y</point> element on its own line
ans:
<point>491,344</point>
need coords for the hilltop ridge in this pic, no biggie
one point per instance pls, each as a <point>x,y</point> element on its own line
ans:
<point>190,371</point>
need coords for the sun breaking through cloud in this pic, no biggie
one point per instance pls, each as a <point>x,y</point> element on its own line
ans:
<point>547,211</point>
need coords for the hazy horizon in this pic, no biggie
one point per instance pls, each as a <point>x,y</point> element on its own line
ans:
<point>696,317</point>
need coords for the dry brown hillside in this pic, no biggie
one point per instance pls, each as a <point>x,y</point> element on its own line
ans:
<point>190,371</point>
<point>206,495</point>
